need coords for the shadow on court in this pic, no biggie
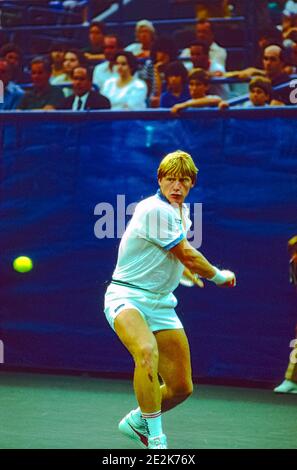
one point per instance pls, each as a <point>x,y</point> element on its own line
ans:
<point>58,412</point>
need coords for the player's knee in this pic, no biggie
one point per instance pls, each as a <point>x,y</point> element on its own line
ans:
<point>147,356</point>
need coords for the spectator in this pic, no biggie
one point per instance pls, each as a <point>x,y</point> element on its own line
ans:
<point>260,92</point>
<point>291,56</point>
<point>198,86</point>
<point>13,55</point>
<point>177,91</point>
<point>12,93</point>
<point>106,70</point>
<point>204,32</point>
<point>43,95</point>
<point>94,52</point>
<point>83,97</point>
<point>267,37</point>
<point>145,36</point>
<point>57,58</point>
<point>72,58</point>
<point>274,69</point>
<point>200,59</point>
<point>274,64</point>
<point>164,51</point>
<point>289,24</point>
<point>125,91</point>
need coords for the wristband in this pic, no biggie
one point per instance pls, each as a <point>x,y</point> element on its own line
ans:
<point>219,277</point>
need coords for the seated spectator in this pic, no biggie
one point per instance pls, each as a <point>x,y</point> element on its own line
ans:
<point>13,55</point>
<point>200,59</point>
<point>43,95</point>
<point>177,91</point>
<point>267,37</point>
<point>145,36</point>
<point>57,58</point>
<point>12,93</point>
<point>94,51</point>
<point>273,68</point>
<point>106,70</point>
<point>204,32</point>
<point>72,58</point>
<point>291,55</point>
<point>83,97</point>
<point>289,24</point>
<point>260,92</point>
<point>125,91</point>
<point>164,51</point>
<point>198,86</point>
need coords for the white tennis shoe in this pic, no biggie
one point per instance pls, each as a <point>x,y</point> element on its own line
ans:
<point>287,386</point>
<point>159,442</point>
<point>129,428</point>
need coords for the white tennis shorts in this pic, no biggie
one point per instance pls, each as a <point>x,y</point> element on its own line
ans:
<point>156,309</point>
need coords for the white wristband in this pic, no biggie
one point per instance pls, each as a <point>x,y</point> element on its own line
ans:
<point>219,277</point>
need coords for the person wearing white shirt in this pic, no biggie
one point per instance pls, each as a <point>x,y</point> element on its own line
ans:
<point>106,70</point>
<point>145,36</point>
<point>125,91</point>
<point>154,255</point>
<point>205,33</point>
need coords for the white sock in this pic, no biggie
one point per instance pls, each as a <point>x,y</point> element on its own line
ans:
<point>137,417</point>
<point>153,423</point>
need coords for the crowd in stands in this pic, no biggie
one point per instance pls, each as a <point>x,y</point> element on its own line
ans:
<point>150,72</point>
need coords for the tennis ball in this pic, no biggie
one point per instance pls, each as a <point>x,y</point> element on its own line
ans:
<point>23,264</point>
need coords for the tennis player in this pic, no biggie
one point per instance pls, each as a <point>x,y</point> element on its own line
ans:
<point>153,256</point>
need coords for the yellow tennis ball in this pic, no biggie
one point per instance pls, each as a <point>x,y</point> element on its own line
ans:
<point>23,264</point>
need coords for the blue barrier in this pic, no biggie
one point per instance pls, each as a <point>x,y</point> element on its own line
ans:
<point>57,166</point>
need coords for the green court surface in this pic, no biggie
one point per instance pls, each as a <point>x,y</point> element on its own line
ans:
<point>66,412</point>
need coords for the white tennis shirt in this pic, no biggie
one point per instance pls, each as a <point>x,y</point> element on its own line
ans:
<point>144,259</point>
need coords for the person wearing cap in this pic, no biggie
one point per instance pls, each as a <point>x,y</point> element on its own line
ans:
<point>145,36</point>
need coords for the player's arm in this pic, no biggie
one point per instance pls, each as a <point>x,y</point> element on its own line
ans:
<point>194,279</point>
<point>197,263</point>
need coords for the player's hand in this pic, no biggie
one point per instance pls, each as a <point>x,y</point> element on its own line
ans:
<point>230,279</point>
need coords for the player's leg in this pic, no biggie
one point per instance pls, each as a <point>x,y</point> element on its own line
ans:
<point>174,367</point>
<point>134,333</point>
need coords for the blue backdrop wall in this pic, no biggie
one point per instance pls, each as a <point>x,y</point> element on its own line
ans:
<point>57,167</point>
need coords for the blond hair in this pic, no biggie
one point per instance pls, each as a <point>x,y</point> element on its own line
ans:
<point>178,163</point>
